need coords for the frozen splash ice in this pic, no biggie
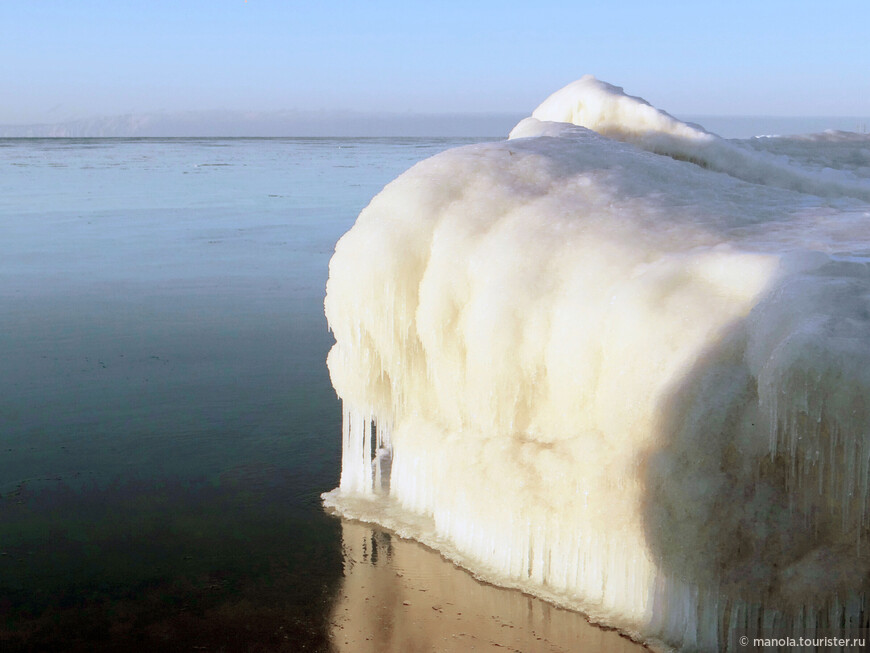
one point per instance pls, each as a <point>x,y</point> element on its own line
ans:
<point>581,364</point>
<point>607,110</point>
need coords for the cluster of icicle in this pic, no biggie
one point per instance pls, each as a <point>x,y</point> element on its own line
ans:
<point>581,364</point>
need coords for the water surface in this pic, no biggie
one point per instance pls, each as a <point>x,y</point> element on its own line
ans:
<point>166,420</point>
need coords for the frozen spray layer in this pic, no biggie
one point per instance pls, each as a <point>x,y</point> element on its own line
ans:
<point>608,110</point>
<point>616,379</point>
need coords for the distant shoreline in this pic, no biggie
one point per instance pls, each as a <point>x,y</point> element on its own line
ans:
<point>290,124</point>
<point>297,124</point>
<point>749,126</point>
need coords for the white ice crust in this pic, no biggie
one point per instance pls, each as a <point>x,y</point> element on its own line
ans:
<point>621,363</point>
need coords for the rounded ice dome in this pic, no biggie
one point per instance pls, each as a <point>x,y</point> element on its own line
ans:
<point>621,363</point>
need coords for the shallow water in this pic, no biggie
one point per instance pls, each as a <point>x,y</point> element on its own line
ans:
<point>166,420</point>
<point>397,596</point>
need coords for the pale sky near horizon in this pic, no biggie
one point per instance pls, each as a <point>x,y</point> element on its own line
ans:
<point>67,60</point>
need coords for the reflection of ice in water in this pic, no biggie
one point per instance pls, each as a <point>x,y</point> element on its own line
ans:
<point>400,596</point>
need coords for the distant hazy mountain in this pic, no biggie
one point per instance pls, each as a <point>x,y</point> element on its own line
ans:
<point>279,123</point>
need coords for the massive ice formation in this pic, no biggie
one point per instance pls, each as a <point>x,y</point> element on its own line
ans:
<point>583,364</point>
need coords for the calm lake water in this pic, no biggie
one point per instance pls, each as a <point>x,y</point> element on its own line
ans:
<point>166,419</point>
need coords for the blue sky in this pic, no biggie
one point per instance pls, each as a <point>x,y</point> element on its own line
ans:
<point>64,60</point>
